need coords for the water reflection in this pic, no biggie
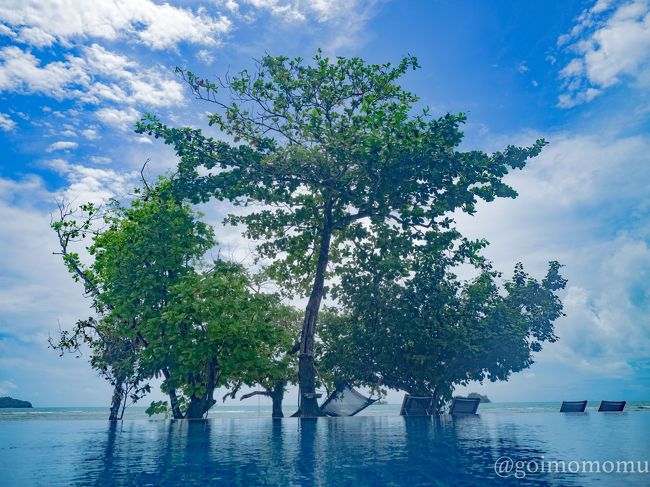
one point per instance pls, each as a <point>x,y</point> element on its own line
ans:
<point>345,451</point>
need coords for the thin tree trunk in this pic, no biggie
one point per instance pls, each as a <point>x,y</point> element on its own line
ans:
<point>306,369</point>
<point>116,400</point>
<point>125,393</point>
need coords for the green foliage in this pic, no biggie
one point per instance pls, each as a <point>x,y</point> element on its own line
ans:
<point>158,407</point>
<point>219,332</point>
<point>345,184</point>
<point>427,332</point>
<point>332,147</point>
<point>162,309</point>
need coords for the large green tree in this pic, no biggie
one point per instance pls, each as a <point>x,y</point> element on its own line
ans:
<point>113,353</point>
<point>162,310</point>
<point>328,156</point>
<point>424,331</point>
<point>219,331</point>
<point>138,254</point>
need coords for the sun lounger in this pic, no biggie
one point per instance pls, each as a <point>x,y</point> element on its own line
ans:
<point>573,406</point>
<point>611,406</point>
<point>417,406</point>
<point>464,405</point>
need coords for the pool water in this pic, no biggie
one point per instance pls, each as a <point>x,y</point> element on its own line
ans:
<point>357,451</point>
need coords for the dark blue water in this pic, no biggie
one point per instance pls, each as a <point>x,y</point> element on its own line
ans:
<point>355,451</point>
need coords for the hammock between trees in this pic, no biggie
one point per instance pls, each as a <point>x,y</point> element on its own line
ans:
<point>345,401</point>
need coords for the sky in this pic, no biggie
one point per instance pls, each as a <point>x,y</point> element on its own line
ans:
<point>73,80</point>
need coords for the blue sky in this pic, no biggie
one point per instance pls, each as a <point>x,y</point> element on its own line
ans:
<point>73,80</point>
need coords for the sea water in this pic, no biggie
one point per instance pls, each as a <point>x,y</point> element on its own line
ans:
<point>67,446</point>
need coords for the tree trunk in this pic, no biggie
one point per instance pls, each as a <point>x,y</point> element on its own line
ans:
<point>196,408</point>
<point>306,370</point>
<point>277,394</point>
<point>116,401</point>
<point>173,400</point>
<point>200,405</point>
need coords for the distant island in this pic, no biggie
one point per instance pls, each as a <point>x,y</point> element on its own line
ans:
<point>10,402</point>
<point>483,398</point>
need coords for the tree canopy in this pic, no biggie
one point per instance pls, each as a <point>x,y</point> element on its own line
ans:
<point>428,332</point>
<point>331,158</point>
<point>162,308</point>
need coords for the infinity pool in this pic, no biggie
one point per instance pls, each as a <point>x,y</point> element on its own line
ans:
<point>358,451</point>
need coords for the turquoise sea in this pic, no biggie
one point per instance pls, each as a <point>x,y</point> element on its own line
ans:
<point>506,444</point>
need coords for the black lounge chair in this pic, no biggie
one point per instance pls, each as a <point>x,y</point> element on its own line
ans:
<point>417,406</point>
<point>464,405</point>
<point>611,406</point>
<point>573,406</point>
<point>345,401</point>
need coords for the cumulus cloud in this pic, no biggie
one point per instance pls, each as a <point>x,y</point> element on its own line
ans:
<point>610,44</point>
<point>345,19</point>
<point>143,140</point>
<point>90,134</point>
<point>36,297</point>
<point>62,145</point>
<point>90,184</point>
<point>22,71</point>
<point>96,76</point>
<point>606,326</point>
<point>6,123</point>
<point>157,25</point>
<point>206,56</point>
<point>119,119</point>
<point>320,10</point>
<point>584,201</point>
<point>100,160</point>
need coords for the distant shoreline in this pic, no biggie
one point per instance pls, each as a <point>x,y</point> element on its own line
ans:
<point>10,402</point>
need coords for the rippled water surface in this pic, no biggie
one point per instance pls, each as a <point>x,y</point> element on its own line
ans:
<point>358,451</point>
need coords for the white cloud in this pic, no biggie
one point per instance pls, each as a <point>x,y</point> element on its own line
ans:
<point>36,37</point>
<point>143,140</point>
<point>62,145</point>
<point>129,83</point>
<point>287,10</point>
<point>206,56</point>
<point>6,386</point>
<point>345,19</point>
<point>610,45</point>
<point>90,183</point>
<point>584,201</point>
<point>120,119</point>
<point>157,25</point>
<point>22,71</point>
<point>97,76</point>
<point>100,160</point>
<point>6,123</point>
<point>7,32</point>
<point>90,134</point>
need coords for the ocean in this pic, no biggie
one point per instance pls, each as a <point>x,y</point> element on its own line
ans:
<point>505,444</point>
<point>248,411</point>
